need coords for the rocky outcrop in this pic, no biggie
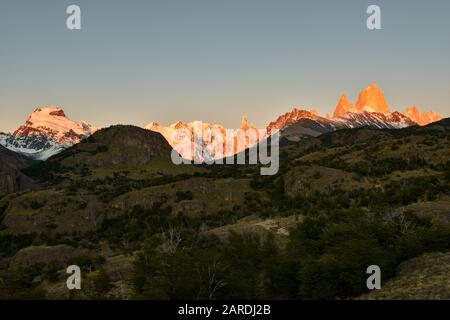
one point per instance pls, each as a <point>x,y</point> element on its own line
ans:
<point>11,178</point>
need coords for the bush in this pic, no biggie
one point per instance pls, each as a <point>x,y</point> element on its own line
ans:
<point>35,204</point>
<point>184,195</point>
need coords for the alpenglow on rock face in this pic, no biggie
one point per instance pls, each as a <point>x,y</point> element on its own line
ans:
<point>371,110</point>
<point>344,106</point>
<point>46,132</point>
<point>422,119</point>
<point>372,99</point>
<point>206,146</point>
<point>52,122</point>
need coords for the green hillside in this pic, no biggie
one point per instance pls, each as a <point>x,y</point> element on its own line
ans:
<point>143,228</point>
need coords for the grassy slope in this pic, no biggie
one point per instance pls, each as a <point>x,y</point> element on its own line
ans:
<point>426,277</point>
<point>81,200</point>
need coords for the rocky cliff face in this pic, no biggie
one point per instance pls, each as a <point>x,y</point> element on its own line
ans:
<point>421,118</point>
<point>11,178</point>
<point>372,99</point>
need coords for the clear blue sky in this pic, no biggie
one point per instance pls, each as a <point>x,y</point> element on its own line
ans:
<point>213,60</point>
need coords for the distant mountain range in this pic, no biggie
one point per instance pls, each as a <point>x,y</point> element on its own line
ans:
<point>208,143</point>
<point>48,131</point>
<point>371,110</point>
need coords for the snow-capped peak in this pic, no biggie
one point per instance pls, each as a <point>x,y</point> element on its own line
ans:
<point>293,117</point>
<point>52,121</point>
<point>46,132</point>
<point>206,138</point>
<point>371,109</point>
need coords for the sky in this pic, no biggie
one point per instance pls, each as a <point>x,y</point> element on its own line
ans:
<point>137,61</point>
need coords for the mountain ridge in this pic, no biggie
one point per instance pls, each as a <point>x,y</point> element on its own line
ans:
<point>371,109</point>
<point>48,131</point>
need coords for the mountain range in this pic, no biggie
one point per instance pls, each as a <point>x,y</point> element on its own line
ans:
<point>207,144</point>
<point>48,131</point>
